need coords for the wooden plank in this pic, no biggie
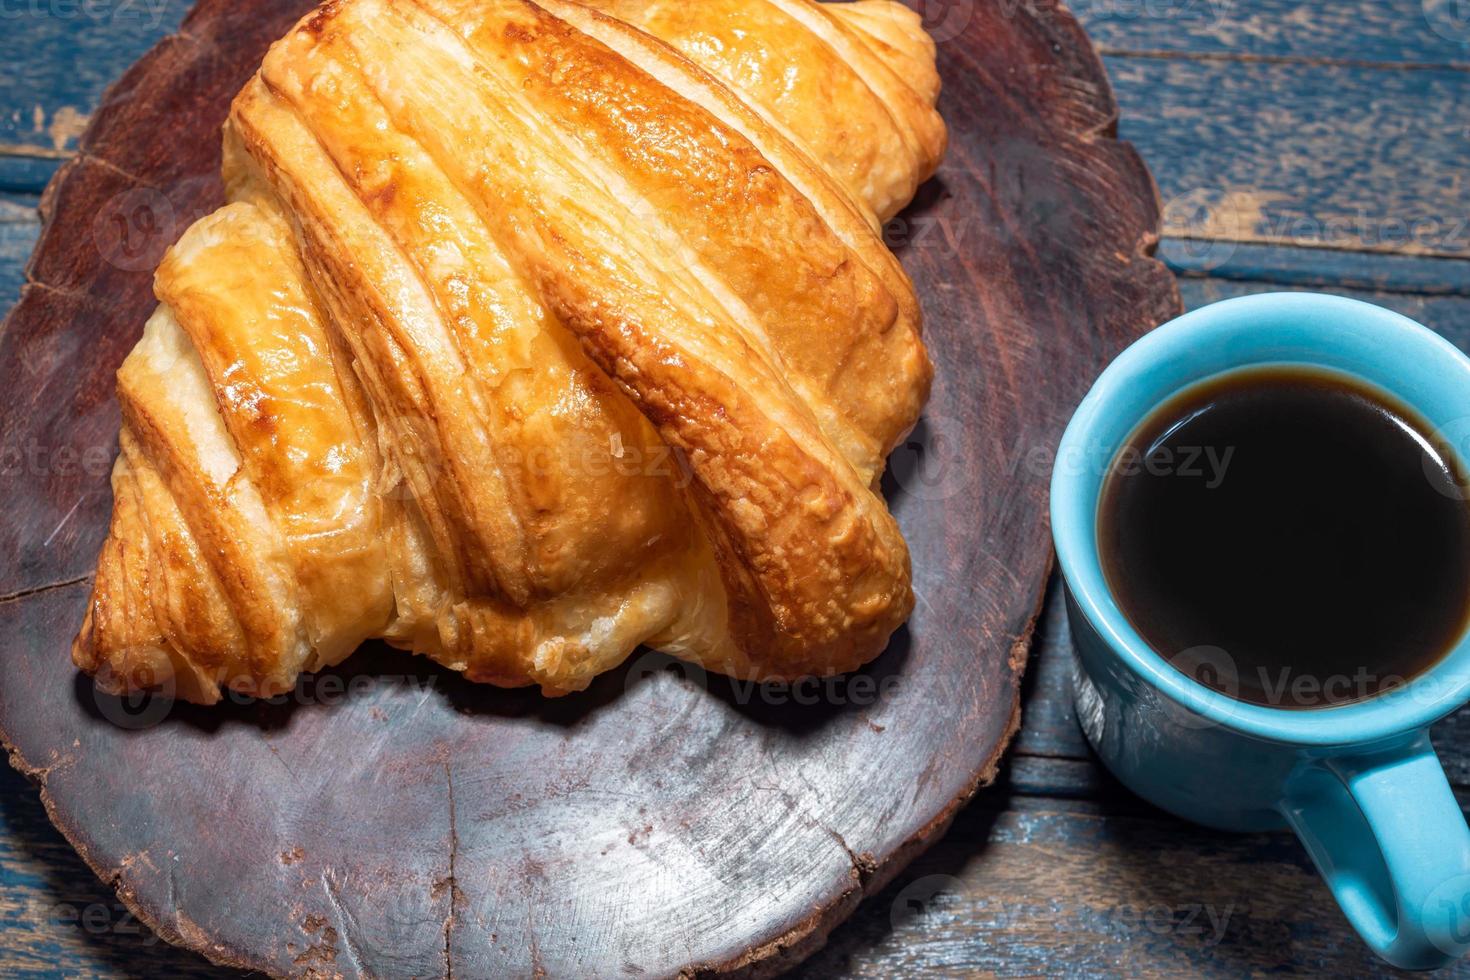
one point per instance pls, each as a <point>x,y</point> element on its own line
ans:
<point>58,56</point>
<point>1404,32</point>
<point>1048,723</point>
<point>22,208</point>
<point>1302,154</point>
<point>1035,890</point>
<point>27,174</point>
<point>1446,315</point>
<point>1324,268</point>
<point>18,230</point>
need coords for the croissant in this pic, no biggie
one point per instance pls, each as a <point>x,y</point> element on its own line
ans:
<point>531,332</point>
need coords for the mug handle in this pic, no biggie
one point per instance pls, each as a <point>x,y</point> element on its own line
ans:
<point>1387,834</point>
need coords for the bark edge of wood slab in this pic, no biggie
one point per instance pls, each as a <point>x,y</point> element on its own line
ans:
<point>396,819</point>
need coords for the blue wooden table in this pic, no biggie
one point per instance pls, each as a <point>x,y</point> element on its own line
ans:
<point>1298,145</point>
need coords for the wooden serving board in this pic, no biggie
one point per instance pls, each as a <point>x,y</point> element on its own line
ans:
<point>391,819</point>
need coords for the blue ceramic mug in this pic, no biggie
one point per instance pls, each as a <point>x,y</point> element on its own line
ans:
<point>1358,782</point>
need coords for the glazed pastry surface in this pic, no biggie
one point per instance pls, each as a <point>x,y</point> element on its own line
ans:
<point>531,332</point>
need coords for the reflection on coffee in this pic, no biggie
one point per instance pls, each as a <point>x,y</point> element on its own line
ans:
<point>1290,536</point>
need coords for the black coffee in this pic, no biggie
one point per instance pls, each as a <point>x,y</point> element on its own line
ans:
<point>1289,536</point>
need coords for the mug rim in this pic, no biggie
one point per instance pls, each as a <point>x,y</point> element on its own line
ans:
<point>1406,708</point>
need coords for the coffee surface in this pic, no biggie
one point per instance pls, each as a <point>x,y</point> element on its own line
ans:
<point>1289,536</point>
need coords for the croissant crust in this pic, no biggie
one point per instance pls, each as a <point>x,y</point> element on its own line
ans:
<point>531,332</point>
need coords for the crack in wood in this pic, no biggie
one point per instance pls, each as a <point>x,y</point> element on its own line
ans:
<point>65,292</point>
<point>863,865</point>
<point>348,923</point>
<point>453,882</point>
<point>51,586</point>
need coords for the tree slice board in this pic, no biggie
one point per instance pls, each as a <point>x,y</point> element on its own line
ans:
<point>390,818</point>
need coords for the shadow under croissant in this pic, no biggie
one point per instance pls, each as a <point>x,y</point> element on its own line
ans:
<point>911,226</point>
<point>377,675</point>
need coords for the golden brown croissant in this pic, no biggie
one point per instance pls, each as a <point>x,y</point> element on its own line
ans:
<point>533,331</point>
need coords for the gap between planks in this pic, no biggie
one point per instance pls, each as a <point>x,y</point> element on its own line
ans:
<point>1310,61</point>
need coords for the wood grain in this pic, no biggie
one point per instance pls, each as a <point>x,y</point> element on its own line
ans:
<point>1062,872</point>
<point>951,931</point>
<point>391,818</point>
<point>1446,315</point>
<point>18,230</point>
<point>1304,154</point>
<point>1379,32</point>
<point>1081,893</point>
<point>22,173</point>
<point>57,57</point>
